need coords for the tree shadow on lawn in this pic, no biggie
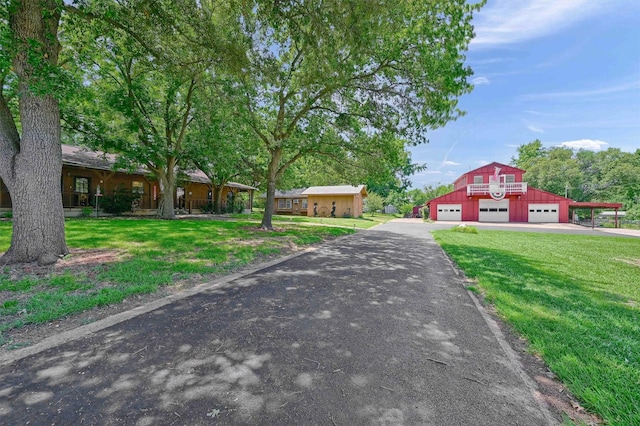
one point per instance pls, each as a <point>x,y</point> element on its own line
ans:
<point>587,334</point>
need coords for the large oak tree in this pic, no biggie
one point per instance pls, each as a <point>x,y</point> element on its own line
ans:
<point>321,72</point>
<point>30,152</point>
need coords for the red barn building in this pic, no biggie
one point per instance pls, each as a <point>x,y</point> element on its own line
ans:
<point>496,193</point>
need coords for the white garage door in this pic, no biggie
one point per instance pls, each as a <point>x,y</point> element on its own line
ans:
<point>494,211</point>
<point>449,212</point>
<point>549,213</point>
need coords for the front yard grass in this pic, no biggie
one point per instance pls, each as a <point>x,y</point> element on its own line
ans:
<point>576,299</point>
<point>365,222</point>
<point>143,255</point>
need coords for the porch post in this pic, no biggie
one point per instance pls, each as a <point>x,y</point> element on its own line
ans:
<point>593,222</point>
<point>616,217</point>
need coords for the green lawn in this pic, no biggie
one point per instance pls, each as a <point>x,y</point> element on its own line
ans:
<point>364,222</point>
<point>152,253</point>
<point>576,299</point>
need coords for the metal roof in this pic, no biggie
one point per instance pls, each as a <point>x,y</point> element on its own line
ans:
<point>289,193</point>
<point>595,205</point>
<point>335,190</point>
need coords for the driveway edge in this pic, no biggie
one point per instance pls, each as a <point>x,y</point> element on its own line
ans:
<point>510,353</point>
<point>85,330</point>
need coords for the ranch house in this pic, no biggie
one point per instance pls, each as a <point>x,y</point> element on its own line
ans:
<point>87,175</point>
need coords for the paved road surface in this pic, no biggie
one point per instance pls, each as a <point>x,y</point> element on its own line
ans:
<point>371,329</point>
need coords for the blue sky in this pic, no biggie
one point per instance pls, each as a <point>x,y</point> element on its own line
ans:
<point>566,72</point>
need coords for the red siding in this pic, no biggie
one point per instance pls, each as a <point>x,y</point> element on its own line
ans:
<point>534,195</point>
<point>518,205</point>
<point>486,172</point>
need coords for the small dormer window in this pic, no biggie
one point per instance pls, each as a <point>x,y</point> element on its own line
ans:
<point>509,178</point>
<point>477,179</point>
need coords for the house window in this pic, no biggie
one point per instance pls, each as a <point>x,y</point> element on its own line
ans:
<point>509,178</point>
<point>305,203</point>
<point>82,185</point>
<point>284,203</point>
<point>137,187</point>
<point>477,179</point>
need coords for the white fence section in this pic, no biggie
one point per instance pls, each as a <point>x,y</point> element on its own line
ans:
<point>485,188</point>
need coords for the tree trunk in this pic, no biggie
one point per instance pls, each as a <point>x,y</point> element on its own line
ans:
<point>272,177</point>
<point>31,165</point>
<point>217,198</point>
<point>38,216</point>
<point>166,208</point>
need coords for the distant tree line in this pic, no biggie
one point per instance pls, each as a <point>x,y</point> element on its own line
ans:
<point>610,175</point>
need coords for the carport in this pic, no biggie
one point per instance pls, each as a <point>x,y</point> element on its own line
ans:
<point>593,206</point>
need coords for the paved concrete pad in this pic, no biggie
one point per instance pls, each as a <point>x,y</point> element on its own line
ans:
<point>554,228</point>
<point>375,328</point>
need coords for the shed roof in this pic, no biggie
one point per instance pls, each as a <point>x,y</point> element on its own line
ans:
<point>289,193</point>
<point>336,190</point>
<point>595,205</point>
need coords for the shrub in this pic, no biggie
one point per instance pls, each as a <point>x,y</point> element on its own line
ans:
<point>406,210</point>
<point>373,203</point>
<point>425,213</point>
<point>86,212</point>
<point>120,202</point>
<point>208,208</point>
<point>8,215</point>
<point>465,229</point>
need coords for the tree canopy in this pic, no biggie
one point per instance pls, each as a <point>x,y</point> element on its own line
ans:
<point>181,83</point>
<point>331,78</point>
<point>605,176</point>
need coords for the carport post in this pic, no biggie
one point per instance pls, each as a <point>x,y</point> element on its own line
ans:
<point>593,222</point>
<point>616,218</point>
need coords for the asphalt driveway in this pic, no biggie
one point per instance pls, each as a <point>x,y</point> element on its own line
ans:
<point>371,329</point>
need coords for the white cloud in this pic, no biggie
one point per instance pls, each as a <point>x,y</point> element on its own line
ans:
<point>488,61</point>
<point>432,172</point>
<point>512,146</point>
<point>450,163</point>
<point>479,81</point>
<point>535,129</point>
<point>589,144</point>
<point>482,163</point>
<point>514,21</point>
<point>635,85</point>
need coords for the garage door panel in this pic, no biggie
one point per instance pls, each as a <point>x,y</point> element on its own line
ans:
<point>493,211</point>
<point>544,213</point>
<point>449,212</point>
